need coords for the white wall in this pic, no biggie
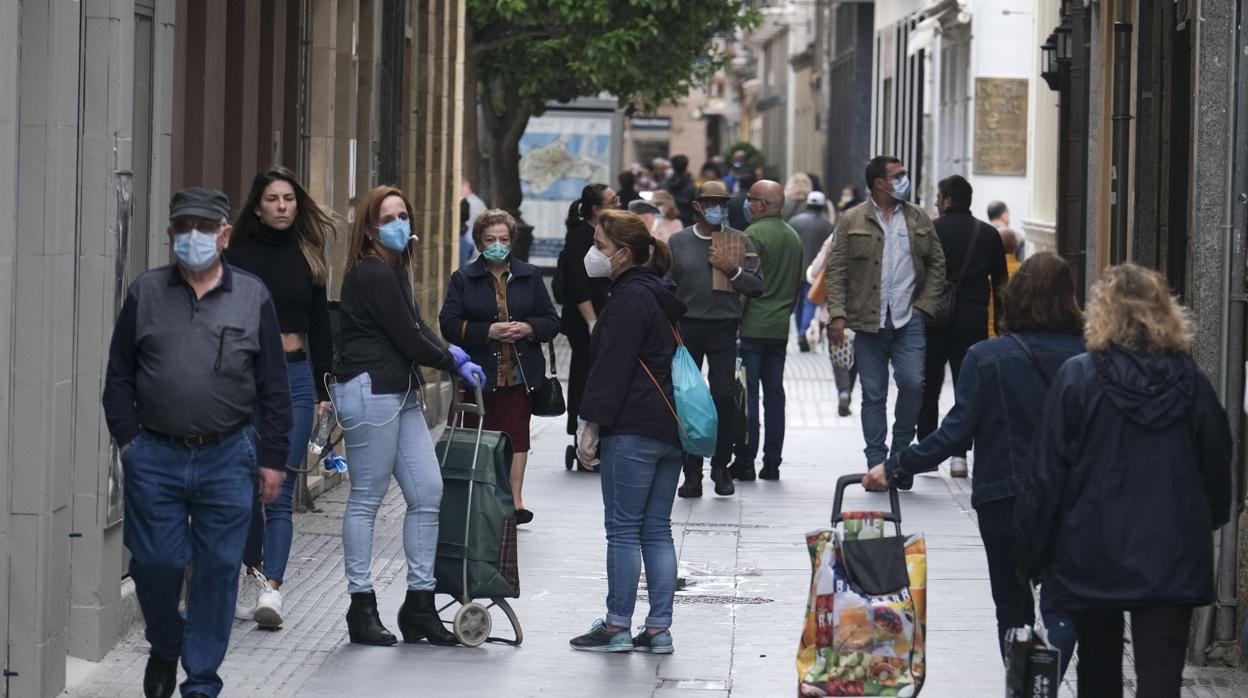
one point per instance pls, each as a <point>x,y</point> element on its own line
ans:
<point>1002,46</point>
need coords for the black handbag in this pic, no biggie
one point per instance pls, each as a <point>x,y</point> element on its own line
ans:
<point>548,399</point>
<point>947,306</point>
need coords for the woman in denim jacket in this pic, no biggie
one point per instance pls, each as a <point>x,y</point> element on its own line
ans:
<point>998,403</point>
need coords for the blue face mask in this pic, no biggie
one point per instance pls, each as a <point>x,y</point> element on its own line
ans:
<point>396,234</point>
<point>196,250</point>
<point>497,253</point>
<point>715,215</point>
<point>901,188</point>
<point>745,206</point>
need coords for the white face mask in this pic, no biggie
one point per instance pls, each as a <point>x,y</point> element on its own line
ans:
<point>597,264</point>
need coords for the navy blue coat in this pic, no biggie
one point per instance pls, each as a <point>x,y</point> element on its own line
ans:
<point>471,306</point>
<point>1131,472</point>
<point>997,404</point>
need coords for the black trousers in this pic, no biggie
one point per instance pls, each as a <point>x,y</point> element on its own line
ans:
<point>716,341</point>
<point>948,345</point>
<point>578,374</point>
<point>1159,639</point>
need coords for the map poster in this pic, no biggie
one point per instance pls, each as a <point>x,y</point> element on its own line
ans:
<point>560,153</point>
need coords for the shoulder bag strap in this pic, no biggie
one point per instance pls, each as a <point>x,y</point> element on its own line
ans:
<point>663,395</point>
<point>1044,375</point>
<point>551,346</point>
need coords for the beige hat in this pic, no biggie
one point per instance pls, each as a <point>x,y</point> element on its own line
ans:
<point>713,189</point>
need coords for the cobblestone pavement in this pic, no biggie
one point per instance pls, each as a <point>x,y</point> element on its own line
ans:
<point>737,620</point>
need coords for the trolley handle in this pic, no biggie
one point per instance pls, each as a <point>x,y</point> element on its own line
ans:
<point>844,481</point>
<point>470,408</point>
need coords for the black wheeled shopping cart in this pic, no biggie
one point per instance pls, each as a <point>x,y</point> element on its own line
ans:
<point>477,553</point>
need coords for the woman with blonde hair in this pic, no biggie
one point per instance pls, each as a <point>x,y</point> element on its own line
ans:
<point>1130,474</point>
<point>796,190</point>
<point>669,222</point>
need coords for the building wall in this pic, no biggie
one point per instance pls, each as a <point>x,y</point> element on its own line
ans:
<point>90,149</point>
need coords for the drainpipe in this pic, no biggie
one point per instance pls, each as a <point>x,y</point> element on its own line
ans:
<point>1121,146</point>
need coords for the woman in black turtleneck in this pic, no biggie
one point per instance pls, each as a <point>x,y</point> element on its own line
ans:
<point>280,237</point>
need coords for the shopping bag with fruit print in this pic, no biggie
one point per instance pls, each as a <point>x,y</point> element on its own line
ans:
<point>867,610</point>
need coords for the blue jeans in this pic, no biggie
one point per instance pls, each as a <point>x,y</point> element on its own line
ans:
<point>387,436</point>
<point>764,362</point>
<point>639,477</point>
<point>1013,600</point>
<point>272,526</point>
<point>905,348</point>
<point>804,311</point>
<point>188,506</point>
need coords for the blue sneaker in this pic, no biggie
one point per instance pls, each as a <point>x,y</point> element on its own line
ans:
<point>660,643</point>
<point>600,639</point>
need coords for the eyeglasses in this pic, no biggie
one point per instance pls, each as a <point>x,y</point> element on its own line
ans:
<point>186,225</point>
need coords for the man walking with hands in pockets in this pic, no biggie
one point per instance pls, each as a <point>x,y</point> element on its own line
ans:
<point>196,352</point>
<point>884,279</point>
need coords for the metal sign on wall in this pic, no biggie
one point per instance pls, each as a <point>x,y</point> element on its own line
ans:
<point>1001,127</point>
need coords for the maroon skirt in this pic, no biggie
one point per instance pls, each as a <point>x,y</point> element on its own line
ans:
<point>507,410</point>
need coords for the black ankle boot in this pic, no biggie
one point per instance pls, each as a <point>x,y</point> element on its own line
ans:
<point>160,678</point>
<point>418,618</point>
<point>364,625</point>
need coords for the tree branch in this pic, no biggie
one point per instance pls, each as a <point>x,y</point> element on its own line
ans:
<point>502,33</point>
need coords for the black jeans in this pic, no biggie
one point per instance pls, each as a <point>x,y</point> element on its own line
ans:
<point>716,340</point>
<point>1159,638</point>
<point>1014,602</point>
<point>578,374</point>
<point>948,345</point>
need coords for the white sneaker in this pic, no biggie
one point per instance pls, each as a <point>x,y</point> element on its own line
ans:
<point>250,586</point>
<point>958,467</point>
<point>269,608</point>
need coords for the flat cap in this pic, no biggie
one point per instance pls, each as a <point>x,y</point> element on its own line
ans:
<point>199,202</point>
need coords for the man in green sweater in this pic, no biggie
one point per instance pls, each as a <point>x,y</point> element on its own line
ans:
<point>765,326</point>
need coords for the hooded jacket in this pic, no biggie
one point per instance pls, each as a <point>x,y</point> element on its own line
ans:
<point>635,327</point>
<point>1131,473</point>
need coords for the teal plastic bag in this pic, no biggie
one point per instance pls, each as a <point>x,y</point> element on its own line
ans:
<point>694,408</point>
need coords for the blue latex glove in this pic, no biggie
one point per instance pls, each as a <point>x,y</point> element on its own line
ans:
<point>461,356</point>
<point>472,374</point>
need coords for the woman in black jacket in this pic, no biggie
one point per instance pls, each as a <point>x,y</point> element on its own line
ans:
<point>582,297</point>
<point>628,405</point>
<point>498,309</point>
<point>1131,473</point>
<point>378,399</point>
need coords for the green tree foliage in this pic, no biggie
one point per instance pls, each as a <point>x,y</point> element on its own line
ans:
<point>525,53</point>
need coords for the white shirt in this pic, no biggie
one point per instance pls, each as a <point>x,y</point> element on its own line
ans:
<point>897,280</point>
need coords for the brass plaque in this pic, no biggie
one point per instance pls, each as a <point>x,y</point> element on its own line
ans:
<point>1001,126</point>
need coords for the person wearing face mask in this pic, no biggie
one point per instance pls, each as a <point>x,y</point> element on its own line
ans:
<point>497,308</point>
<point>378,401</point>
<point>582,297</point>
<point>714,268</point>
<point>884,278</point>
<point>279,235</point>
<point>849,199</point>
<point>628,411</point>
<point>195,363</point>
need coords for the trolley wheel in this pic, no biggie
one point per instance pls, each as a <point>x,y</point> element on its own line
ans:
<point>569,458</point>
<point>472,624</point>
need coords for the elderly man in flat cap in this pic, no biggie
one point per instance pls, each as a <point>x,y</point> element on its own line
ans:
<point>197,399</point>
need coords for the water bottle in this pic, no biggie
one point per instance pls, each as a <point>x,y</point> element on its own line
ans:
<point>321,435</point>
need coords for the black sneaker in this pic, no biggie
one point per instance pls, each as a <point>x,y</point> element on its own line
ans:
<point>160,678</point>
<point>802,345</point>
<point>770,471</point>
<point>722,480</point>
<point>691,489</point>
<point>742,471</point>
<point>600,639</point>
<point>842,405</point>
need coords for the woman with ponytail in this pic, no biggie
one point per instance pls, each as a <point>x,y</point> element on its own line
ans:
<point>582,297</point>
<point>627,410</point>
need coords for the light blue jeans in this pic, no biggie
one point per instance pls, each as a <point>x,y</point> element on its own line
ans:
<point>639,477</point>
<point>399,447</point>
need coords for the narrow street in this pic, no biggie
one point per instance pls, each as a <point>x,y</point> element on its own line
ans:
<point>738,618</point>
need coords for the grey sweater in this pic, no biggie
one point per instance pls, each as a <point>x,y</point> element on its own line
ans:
<point>692,274</point>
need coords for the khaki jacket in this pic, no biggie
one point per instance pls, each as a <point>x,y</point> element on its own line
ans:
<point>852,278</point>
